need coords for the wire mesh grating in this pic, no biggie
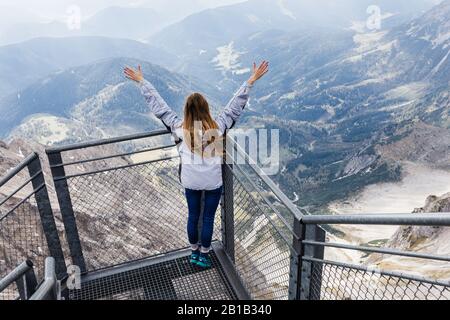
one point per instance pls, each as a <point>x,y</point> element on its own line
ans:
<point>336,282</point>
<point>131,213</point>
<point>127,211</point>
<point>175,279</point>
<point>261,252</point>
<point>21,238</point>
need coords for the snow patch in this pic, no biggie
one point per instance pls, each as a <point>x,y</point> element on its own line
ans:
<point>358,26</point>
<point>289,96</point>
<point>267,97</point>
<point>367,41</point>
<point>285,10</point>
<point>97,102</point>
<point>440,64</point>
<point>242,71</point>
<point>409,92</point>
<point>253,18</point>
<point>20,153</point>
<point>228,60</point>
<point>442,38</point>
<point>254,36</point>
<point>412,29</point>
<point>174,88</point>
<point>48,128</point>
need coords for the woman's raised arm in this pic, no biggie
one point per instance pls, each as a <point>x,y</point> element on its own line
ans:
<point>154,100</point>
<point>227,119</point>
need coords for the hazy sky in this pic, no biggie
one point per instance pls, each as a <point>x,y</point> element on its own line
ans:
<point>56,9</point>
<point>13,13</point>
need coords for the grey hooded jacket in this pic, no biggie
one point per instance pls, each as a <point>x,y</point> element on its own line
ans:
<point>198,173</point>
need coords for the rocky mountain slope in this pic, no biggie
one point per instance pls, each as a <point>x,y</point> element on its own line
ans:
<point>425,239</point>
<point>206,42</point>
<point>24,220</point>
<point>418,239</point>
<point>212,28</point>
<point>380,74</point>
<point>422,239</point>
<point>388,89</point>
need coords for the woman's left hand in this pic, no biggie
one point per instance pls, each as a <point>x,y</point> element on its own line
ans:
<point>135,75</point>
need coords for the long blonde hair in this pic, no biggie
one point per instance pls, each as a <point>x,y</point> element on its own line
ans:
<point>198,126</point>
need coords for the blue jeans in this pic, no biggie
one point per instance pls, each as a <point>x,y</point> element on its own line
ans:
<point>194,201</point>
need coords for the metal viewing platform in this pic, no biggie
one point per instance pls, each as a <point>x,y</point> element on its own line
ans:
<point>114,210</point>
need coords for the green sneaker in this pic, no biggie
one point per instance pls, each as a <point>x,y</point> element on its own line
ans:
<point>204,261</point>
<point>195,256</point>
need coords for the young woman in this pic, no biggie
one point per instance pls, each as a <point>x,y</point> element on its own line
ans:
<point>201,170</point>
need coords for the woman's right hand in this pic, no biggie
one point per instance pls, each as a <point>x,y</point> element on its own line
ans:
<point>135,75</point>
<point>259,72</point>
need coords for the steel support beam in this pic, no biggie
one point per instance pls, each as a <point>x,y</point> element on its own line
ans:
<point>46,215</point>
<point>68,215</point>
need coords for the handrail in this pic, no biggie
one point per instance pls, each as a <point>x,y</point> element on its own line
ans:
<point>401,275</point>
<point>23,185</point>
<point>72,163</point>
<point>280,195</point>
<point>10,174</point>
<point>101,142</point>
<point>388,251</point>
<point>114,168</point>
<point>48,290</point>
<point>308,238</point>
<point>415,219</point>
<point>271,206</point>
<point>379,219</point>
<point>25,199</point>
<point>16,274</point>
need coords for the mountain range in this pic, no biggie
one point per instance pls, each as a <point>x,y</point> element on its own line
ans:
<point>116,22</point>
<point>27,62</point>
<point>211,28</point>
<point>343,100</point>
<point>351,104</point>
<point>116,19</point>
<point>93,100</point>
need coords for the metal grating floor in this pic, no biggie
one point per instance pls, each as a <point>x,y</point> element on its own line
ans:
<point>175,279</point>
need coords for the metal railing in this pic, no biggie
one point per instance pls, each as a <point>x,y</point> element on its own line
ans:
<point>118,207</point>
<point>258,223</point>
<point>24,278</point>
<point>50,288</point>
<point>280,252</point>
<point>27,226</point>
<point>121,201</point>
<point>331,279</point>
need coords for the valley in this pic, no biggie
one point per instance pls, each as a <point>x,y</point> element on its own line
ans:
<point>355,108</point>
<point>418,183</point>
